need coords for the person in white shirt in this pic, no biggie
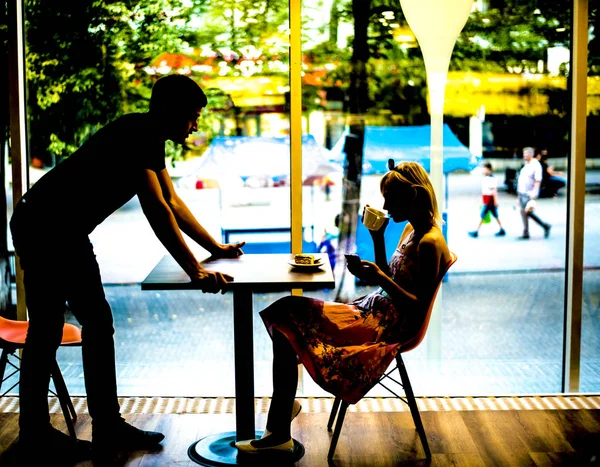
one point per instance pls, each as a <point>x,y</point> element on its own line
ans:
<point>528,189</point>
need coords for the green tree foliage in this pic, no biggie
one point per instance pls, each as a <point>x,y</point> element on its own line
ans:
<point>506,35</point>
<point>228,26</point>
<point>388,75</point>
<point>85,63</point>
<point>512,34</point>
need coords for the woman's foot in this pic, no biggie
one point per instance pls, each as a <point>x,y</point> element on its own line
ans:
<point>295,411</point>
<point>269,443</point>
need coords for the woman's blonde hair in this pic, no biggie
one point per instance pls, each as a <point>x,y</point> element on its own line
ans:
<point>413,175</point>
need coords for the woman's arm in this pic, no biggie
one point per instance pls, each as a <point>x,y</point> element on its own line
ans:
<point>379,249</point>
<point>378,237</point>
<point>371,274</point>
<point>427,270</point>
<point>556,173</point>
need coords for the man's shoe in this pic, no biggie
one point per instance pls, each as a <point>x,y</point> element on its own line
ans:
<point>547,230</point>
<point>474,234</point>
<point>523,237</point>
<point>124,437</point>
<point>501,233</point>
<point>53,447</point>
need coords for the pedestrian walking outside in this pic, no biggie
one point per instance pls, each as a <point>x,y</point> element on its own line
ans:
<point>528,190</point>
<point>489,195</point>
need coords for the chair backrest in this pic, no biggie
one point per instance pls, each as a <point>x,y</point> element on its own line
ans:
<point>420,334</point>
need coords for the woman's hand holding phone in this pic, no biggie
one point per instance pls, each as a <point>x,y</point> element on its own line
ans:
<point>354,263</point>
<point>364,270</point>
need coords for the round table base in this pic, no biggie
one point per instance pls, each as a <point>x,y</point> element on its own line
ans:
<point>219,450</point>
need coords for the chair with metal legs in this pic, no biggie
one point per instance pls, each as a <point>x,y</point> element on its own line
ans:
<point>12,338</point>
<point>340,407</point>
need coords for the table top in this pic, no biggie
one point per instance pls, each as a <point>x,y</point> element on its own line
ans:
<point>257,272</point>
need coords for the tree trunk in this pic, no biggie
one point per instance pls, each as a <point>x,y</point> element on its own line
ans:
<point>358,104</point>
<point>334,22</point>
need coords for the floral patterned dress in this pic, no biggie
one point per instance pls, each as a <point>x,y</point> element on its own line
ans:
<point>346,347</point>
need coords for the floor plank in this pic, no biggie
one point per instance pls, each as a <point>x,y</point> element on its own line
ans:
<point>457,438</point>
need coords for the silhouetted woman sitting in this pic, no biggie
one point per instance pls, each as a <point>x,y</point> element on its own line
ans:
<point>347,347</point>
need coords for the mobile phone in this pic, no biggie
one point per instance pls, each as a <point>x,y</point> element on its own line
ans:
<point>352,258</point>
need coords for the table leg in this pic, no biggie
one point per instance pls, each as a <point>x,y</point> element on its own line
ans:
<point>244,364</point>
<point>219,450</point>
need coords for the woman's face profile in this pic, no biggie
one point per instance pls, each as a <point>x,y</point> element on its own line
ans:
<point>398,200</point>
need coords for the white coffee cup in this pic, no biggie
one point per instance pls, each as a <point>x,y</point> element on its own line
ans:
<point>373,218</point>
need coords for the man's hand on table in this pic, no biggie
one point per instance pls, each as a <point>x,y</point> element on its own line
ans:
<point>211,281</point>
<point>230,250</point>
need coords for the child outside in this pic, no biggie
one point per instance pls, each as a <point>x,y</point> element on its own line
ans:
<point>489,193</point>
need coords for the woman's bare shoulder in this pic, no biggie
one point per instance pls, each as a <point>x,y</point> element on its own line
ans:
<point>434,241</point>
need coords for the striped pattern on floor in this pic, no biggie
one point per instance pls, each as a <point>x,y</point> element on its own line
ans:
<point>226,405</point>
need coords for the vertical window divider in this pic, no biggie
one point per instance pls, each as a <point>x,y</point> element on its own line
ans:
<point>576,200</point>
<point>18,123</point>
<point>296,129</point>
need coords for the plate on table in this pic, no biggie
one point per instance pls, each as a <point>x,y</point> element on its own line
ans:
<point>306,267</point>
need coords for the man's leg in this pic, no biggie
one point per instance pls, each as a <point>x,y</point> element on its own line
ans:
<point>89,306</point>
<point>523,199</point>
<point>525,215</point>
<point>46,307</point>
<point>88,303</point>
<point>39,442</point>
<point>541,223</point>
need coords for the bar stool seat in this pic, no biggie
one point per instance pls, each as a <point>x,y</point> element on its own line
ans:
<point>12,338</point>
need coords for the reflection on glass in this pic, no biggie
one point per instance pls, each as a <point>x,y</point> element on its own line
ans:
<point>502,316</point>
<point>503,302</point>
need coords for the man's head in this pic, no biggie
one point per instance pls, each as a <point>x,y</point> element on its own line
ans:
<point>176,102</point>
<point>528,153</point>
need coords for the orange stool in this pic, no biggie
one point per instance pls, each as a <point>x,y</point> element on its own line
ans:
<point>12,338</point>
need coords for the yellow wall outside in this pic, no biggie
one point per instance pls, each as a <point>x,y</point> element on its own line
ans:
<point>507,94</point>
<point>253,90</point>
<point>500,94</point>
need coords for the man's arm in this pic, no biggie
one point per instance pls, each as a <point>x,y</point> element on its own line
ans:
<point>536,190</point>
<point>164,223</point>
<point>184,219</point>
<point>190,225</point>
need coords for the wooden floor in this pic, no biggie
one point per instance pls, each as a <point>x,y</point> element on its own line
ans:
<point>462,438</point>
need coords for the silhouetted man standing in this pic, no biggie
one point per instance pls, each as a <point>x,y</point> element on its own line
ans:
<point>123,159</point>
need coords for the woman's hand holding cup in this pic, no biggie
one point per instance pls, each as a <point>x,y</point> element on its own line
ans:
<point>374,219</point>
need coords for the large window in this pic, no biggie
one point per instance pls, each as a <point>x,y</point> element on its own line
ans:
<point>500,325</point>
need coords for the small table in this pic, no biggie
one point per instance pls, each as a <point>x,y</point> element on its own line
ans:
<point>253,273</point>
